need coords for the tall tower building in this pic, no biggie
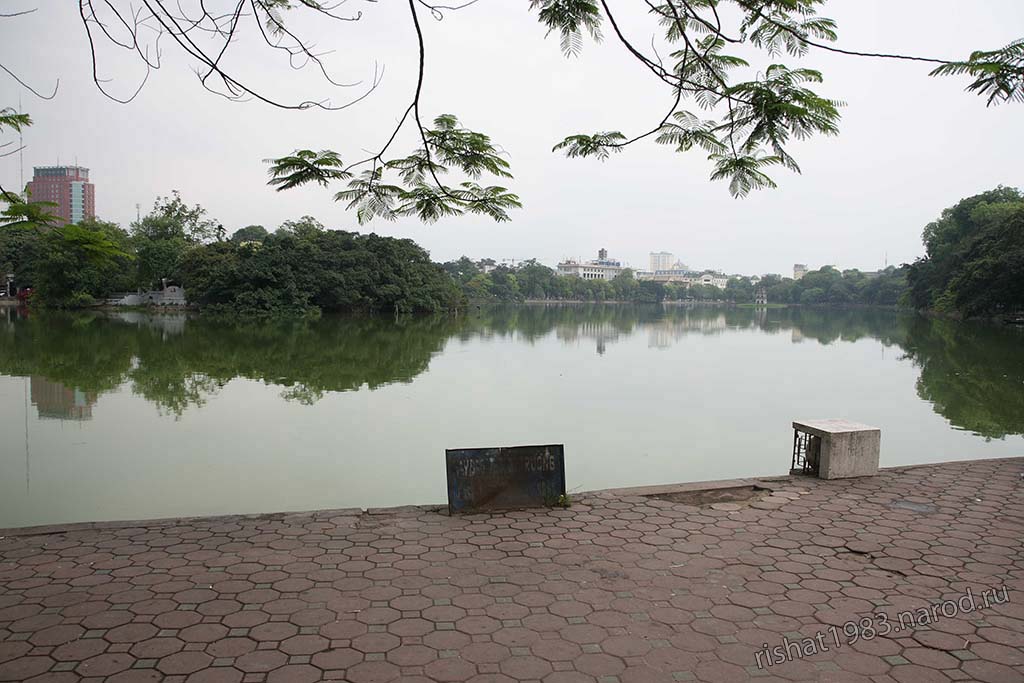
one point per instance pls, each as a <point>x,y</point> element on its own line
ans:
<point>799,270</point>
<point>662,260</point>
<point>66,186</point>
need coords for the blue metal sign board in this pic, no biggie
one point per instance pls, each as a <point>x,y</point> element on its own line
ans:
<point>505,477</point>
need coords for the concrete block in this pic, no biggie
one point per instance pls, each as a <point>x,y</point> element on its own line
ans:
<point>848,449</point>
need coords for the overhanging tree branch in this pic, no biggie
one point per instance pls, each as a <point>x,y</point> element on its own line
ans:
<point>757,108</point>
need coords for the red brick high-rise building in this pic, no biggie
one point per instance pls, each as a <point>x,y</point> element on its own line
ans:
<point>66,186</point>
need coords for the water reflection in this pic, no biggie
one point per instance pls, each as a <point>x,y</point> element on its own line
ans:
<point>176,362</point>
<point>972,374</point>
<point>54,400</point>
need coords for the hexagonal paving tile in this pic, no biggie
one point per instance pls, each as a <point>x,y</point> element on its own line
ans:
<point>617,588</point>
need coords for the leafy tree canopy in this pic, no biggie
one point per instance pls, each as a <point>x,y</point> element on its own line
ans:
<point>66,264</point>
<point>163,236</point>
<point>974,257</point>
<point>250,233</point>
<point>172,219</point>
<point>305,269</point>
<point>21,213</point>
<point>78,262</point>
<point>741,114</point>
<point>303,228</point>
<point>419,190</point>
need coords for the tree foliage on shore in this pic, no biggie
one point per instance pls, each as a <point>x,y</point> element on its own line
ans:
<point>530,280</point>
<point>316,270</point>
<point>533,281</point>
<point>974,257</point>
<point>301,268</point>
<point>76,265</point>
<point>974,265</point>
<point>67,265</point>
<point>829,286</point>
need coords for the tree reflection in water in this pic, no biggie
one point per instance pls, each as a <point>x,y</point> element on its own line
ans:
<point>972,374</point>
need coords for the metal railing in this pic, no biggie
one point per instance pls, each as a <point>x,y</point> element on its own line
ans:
<point>806,452</point>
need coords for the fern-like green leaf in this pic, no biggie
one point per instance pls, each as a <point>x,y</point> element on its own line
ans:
<point>10,118</point>
<point>370,197</point>
<point>490,201</point>
<point>998,74</point>
<point>570,18</point>
<point>743,172</point>
<point>306,166</point>
<point>597,145</point>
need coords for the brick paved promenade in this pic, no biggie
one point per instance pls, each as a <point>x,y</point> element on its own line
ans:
<point>620,588</point>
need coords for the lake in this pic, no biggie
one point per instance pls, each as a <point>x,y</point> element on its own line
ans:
<point>135,416</point>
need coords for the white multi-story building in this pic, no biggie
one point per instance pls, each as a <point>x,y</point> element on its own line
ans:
<point>719,280</point>
<point>687,277</point>
<point>662,260</point>
<point>799,270</point>
<point>601,268</point>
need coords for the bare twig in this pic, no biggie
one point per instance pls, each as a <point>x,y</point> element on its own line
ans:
<point>29,87</point>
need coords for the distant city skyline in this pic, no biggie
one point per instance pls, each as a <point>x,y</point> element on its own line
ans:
<point>789,272</point>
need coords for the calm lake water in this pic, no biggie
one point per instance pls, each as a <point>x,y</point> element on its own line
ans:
<point>133,416</point>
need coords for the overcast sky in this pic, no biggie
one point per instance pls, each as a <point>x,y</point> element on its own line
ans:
<point>909,146</point>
